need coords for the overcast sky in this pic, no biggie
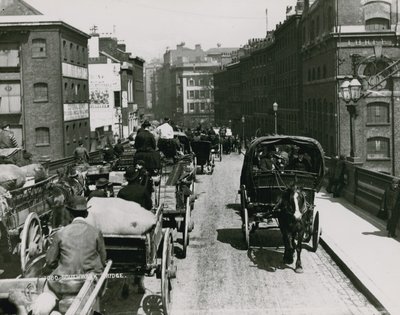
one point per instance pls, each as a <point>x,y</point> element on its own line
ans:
<point>148,27</point>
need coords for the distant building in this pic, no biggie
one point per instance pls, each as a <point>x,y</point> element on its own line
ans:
<point>151,89</point>
<point>43,81</point>
<point>185,84</point>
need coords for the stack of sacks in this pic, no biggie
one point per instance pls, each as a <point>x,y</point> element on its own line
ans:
<point>11,176</point>
<point>118,216</point>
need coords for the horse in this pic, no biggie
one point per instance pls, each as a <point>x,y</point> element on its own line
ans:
<point>290,211</point>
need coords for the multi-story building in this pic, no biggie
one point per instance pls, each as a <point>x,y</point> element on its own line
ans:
<point>116,88</point>
<point>185,84</point>
<point>151,89</point>
<point>43,82</point>
<point>352,39</point>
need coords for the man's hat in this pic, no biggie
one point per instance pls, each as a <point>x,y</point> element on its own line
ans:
<point>166,119</point>
<point>80,142</point>
<point>73,173</point>
<point>301,151</point>
<point>4,125</point>
<point>145,124</point>
<point>102,182</point>
<point>77,203</point>
<point>131,174</point>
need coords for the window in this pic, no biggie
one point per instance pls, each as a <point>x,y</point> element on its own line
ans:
<point>202,94</point>
<point>202,107</point>
<point>190,94</point>
<point>378,113</point>
<point>191,107</point>
<point>38,48</point>
<point>10,98</point>
<point>71,52</point>
<point>9,55</point>
<point>41,92</point>
<point>190,82</point>
<point>376,24</point>
<point>378,148</point>
<point>65,52</point>
<point>42,136</point>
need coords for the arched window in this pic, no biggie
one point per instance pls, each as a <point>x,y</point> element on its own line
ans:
<point>42,136</point>
<point>378,113</point>
<point>40,92</point>
<point>38,48</point>
<point>376,24</point>
<point>378,148</point>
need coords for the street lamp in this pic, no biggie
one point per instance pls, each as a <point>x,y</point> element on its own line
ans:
<point>275,108</point>
<point>351,93</point>
<point>244,140</point>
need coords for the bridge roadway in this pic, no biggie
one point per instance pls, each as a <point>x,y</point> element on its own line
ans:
<point>220,277</point>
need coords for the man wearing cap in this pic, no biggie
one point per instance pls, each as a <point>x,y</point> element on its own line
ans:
<point>102,191</point>
<point>134,191</point>
<point>7,138</point>
<point>78,248</point>
<point>81,154</point>
<point>119,149</point>
<point>145,145</point>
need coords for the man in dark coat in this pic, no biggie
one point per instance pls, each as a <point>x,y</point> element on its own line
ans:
<point>300,163</point>
<point>102,190</point>
<point>145,145</point>
<point>119,149</point>
<point>145,140</point>
<point>134,191</point>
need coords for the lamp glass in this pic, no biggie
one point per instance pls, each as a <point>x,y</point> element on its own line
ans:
<point>355,89</point>
<point>242,119</point>
<point>345,91</point>
<point>275,106</point>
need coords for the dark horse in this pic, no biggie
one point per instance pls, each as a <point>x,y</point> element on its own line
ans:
<point>291,211</point>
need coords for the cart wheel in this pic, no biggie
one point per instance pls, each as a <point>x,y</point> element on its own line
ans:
<point>242,198</point>
<point>316,232</point>
<point>168,270</point>
<point>185,234</point>
<point>31,240</point>
<point>195,168</point>
<point>246,228</point>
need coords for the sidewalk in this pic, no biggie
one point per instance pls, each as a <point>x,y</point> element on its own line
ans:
<point>360,242</point>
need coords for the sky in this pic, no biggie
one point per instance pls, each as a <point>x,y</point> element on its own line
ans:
<point>148,27</point>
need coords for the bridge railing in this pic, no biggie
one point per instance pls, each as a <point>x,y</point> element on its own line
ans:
<point>363,187</point>
<point>63,163</point>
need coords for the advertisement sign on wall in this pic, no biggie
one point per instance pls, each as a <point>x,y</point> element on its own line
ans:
<point>76,111</point>
<point>104,79</point>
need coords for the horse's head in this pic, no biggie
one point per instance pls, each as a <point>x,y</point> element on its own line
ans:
<point>295,201</point>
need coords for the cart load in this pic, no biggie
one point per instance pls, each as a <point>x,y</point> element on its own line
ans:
<point>118,216</point>
<point>11,176</point>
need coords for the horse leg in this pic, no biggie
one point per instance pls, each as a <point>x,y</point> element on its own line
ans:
<point>288,254</point>
<point>299,246</point>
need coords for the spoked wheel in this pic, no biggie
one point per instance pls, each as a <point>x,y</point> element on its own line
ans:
<point>246,229</point>
<point>168,270</point>
<point>31,240</point>
<point>242,198</point>
<point>185,235</point>
<point>316,232</point>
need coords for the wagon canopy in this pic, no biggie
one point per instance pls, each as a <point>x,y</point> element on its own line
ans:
<point>309,145</point>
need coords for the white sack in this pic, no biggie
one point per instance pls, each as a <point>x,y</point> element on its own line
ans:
<point>118,216</point>
<point>11,176</point>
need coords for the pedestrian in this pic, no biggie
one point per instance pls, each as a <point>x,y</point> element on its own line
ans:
<point>81,154</point>
<point>119,148</point>
<point>338,178</point>
<point>390,207</point>
<point>331,173</point>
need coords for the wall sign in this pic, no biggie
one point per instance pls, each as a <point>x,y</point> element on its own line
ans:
<point>76,111</point>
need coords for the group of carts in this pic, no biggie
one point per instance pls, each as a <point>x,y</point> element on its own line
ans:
<point>25,216</point>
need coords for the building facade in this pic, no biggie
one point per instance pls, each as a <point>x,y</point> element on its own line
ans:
<point>44,84</point>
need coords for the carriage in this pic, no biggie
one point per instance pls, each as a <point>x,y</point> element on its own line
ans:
<point>176,191</point>
<point>150,254</point>
<point>204,155</point>
<point>262,187</point>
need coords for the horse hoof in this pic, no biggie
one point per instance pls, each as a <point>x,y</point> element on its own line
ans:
<point>299,270</point>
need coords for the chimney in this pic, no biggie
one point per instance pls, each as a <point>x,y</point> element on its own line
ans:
<point>197,47</point>
<point>266,21</point>
<point>93,45</point>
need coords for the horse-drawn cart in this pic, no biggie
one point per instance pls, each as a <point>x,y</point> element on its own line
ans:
<point>176,191</point>
<point>145,255</point>
<point>204,155</point>
<point>271,173</point>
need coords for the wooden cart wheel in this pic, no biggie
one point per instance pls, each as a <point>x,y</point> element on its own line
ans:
<point>246,228</point>
<point>316,232</point>
<point>242,198</point>
<point>185,234</point>
<point>31,240</point>
<point>168,270</point>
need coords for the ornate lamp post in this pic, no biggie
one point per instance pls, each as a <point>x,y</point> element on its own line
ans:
<point>275,108</point>
<point>351,93</point>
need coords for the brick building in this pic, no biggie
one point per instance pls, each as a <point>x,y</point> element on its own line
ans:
<point>185,84</point>
<point>44,82</point>
<point>117,89</point>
